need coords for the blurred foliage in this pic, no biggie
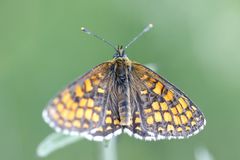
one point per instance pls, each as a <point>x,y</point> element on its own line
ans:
<point>195,44</point>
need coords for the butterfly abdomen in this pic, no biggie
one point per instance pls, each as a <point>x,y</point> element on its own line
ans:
<point>124,111</point>
<point>122,68</point>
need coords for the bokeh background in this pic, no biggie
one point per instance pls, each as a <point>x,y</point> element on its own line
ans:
<point>195,44</point>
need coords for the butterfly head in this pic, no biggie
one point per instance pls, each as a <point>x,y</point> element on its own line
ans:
<point>120,53</point>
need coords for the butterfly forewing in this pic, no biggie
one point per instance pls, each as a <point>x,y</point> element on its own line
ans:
<point>165,112</point>
<point>80,108</point>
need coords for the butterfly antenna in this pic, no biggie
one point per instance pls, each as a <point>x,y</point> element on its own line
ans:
<point>146,29</point>
<point>98,37</point>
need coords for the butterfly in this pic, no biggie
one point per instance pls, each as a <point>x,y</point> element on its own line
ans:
<point>119,96</point>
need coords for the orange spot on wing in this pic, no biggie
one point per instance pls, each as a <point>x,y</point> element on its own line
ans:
<point>144,92</point>
<point>177,120</point>
<point>160,129</point>
<point>100,129</point>
<point>79,113</point>
<point>77,124</point>
<point>184,119</point>
<point>68,124</point>
<point>95,117</point>
<point>60,107</point>
<point>98,109</point>
<point>183,103</point>
<point>56,101</point>
<point>138,128</point>
<point>194,108</point>
<point>85,125</point>
<point>83,102</point>
<point>108,120</point>
<point>100,90</point>
<point>74,106</point>
<point>158,88</point>
<point>174,110</point>
<point>69,103</point>
<point>79,92</point>
<point>164,106</point>
<point>88,85</point>
<point>108,112</point>
<point>64,113</point>
<point>150,120</point>
<point>167,117</point>
<point>193,123</point>
<point>179,108</point>
<point>66,96</point>
<point>148,110</point>
<point>55,116</point>
<point>88,114</point>
<point>170,128</point>
<point>149,84</point>
<point>152,80</point>
<point>90,102</point>
<point>169,96</point>
<point>155,106</point>
<point>137,120</point>
<point>60,122</point>
<point>179,129</point>
<point>188,114</point>
<point>96,82</point>
<point>144,77</point>
<point>70,115</point>
<point>100,75</point>
<point>108,128</point>
<point>187,128</point>
<point>116,122</point>
<point>158,116</point>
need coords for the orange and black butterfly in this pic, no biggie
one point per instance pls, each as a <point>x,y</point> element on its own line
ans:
<point>123,96</point>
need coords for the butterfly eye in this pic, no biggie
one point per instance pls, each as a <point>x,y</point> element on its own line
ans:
<point>120,55</point>
<point>124,55</point>
<point>116,55</point>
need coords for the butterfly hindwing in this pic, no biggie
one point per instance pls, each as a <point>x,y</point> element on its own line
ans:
<point>109,127</point>
<point>80,107</point>
<point>165,111</point>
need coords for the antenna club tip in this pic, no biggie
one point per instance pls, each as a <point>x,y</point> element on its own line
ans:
<point>83,29</point>
<point>150,25</point>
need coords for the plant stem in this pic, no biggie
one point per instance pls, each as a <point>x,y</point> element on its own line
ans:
<point>109,150</point>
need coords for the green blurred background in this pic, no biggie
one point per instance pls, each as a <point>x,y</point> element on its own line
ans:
<point>195,44</point>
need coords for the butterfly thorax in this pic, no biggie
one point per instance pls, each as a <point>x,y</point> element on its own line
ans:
<point>121,68</point>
